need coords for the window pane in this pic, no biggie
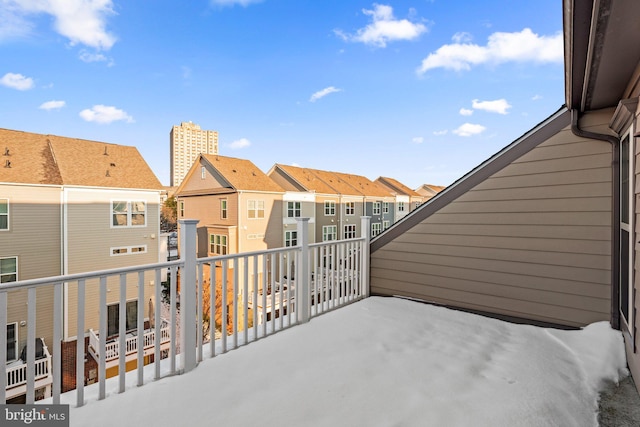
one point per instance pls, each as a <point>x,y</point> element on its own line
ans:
<point>11,342</point>
<point>137,219</point>
<point>132,315</point>
<point>4,222</point>
<point>113,319</point>
<point>4,206</point>
<point>119,219</point>
<point>7,265</point>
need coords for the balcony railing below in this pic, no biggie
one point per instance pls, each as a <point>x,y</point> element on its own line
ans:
<point>16,376</point>
<point>112,347</point>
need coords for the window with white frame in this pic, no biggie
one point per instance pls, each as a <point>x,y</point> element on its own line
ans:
<point>255,209</point>
<point>12,342</point>
<point>4,214</point>
<point>218,244</point>
<point>329,208</point>
<point>376,228</point>
<point>329,232</point>
<point>376,208</point>
<point>294,209</point>
<point>128,213</point>
<point>385,207</point>
<point>223,208</point>
<point>8,269</point>
<point>350,231</point>
<point>350,208</point>
<point>113,317</point>
<point>400,206</point>
<point>181,209</point>
<point>290,238</point>
<point>203,172</point>
<point>385,225</point>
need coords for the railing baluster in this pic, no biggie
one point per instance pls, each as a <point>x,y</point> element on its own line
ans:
<point>254,297</point>
<point>3,345</point>
<point>224,306</point>
<point>264,294</point>
<point>140,327</point>
<point>31,345</point>
<point>157,324</point>
<point>245,300</point>
<point>212,308</point>
<point>200,314</point>
<point>234,338</point>
<point>173,313</point>
<point>272,281</point>
<point>102,339</point>
<point>122,333</point>
<point>80,344</point>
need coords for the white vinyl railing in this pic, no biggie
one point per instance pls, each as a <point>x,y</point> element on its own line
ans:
<point>223,302</point>
<point>17,375</point>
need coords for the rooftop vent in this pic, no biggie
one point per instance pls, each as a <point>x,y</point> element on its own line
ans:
<point>105,151</point>
<point>6,151</point>
<point>107,174</point>
<point>7,164</point>
<point>113,165</point>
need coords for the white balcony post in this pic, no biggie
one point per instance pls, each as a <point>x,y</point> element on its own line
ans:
<point>188,312</point>
<point>303,278</point>
<point>365,226</point>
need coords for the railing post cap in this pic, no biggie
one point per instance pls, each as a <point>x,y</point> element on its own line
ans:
<point>188,221</point>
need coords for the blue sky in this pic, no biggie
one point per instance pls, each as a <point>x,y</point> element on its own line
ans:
<point>421,91</point>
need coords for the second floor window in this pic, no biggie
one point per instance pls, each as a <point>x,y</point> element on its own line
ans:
<point>385,207</point>
<point>8,269</point>
<point>290,238</point>
<point>293,209</point>
<point>400,206</point>
<point>376,228</point>
<point>350,208</point>
<point>350,231</point>
<point>127,213</point>
<point>4,214</point>
<point>255,209</point>
<point>385,225</point>
<point>376,208</point>
<point>329,232</point>
<point>223,208</point>
<point>329,208</point>
<point>218,244</point>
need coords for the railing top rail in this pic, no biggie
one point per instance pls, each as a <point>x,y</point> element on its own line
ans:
<point>43,281</point>
<point>333,242</point>
<point>248,254</point>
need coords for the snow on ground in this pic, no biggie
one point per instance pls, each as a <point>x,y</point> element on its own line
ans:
<point>385,362</point>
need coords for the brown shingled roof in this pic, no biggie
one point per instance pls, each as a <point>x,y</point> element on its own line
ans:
<point>242,174</point>
<point>397,186</point>
<point>365,185</point>
<point>71,161</point>
<point>307,179</point>
<point>26,158</point>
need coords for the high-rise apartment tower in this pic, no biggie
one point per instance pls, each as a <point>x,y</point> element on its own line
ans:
<point>186,142</point>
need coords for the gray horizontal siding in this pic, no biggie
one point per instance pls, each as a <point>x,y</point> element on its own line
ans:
<point>533,240</point>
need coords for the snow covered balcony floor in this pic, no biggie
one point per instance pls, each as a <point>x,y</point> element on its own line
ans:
<point>383,362</point>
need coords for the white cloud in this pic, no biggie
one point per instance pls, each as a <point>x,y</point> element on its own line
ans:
<point>324,92</point>
<point>52,105</point>
<point>440,132</point>
<point>86,56</point>
<point>243,3</point>
<point>240,143</point>
<point>105,114</point>
<point>524,46</point>
<point>462,37</point>
<point>536,97</point>
<point>384,28</point>
<point>499,106</point>
<point>469,129</point>
<point>418,140</point>
<point>465,112</point>
<point>81,21</point>
<point>16,81</point>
